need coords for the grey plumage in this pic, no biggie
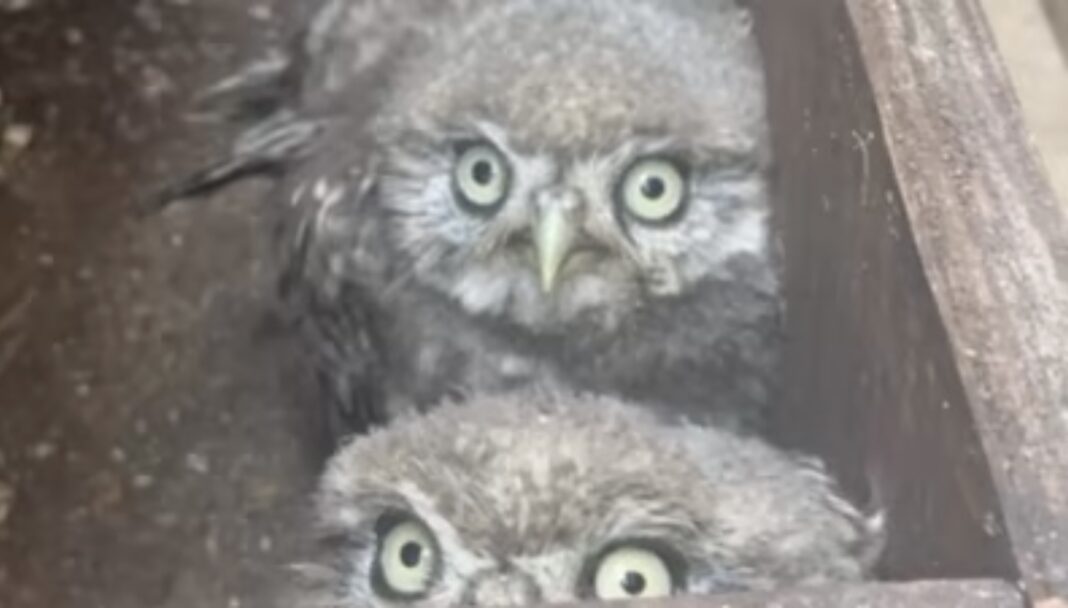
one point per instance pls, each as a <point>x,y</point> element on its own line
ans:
<point>521,498</point>
<point>622,246</point>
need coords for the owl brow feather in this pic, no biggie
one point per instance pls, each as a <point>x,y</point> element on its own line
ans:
<point>425,132</point>
<point>696,154</point>
<point>374,501</point>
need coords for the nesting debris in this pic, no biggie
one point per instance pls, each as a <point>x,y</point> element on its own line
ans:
<point>43,451</point>
<point>17,137</point>
<point>13,327</point>
<point>73,36</point>
<point>261,12</point>
<point>14,140</point>
<point>15,6</point>
<point>7,501</point>
<point>150,16</point>
<point>143,482</point>
<point>197,463</point>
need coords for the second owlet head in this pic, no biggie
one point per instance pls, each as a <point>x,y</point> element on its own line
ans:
<point>546,497</point>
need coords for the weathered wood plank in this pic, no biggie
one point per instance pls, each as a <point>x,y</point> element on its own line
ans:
<point>994,245</point>
<point>951,594</point>
<point>872,384</point>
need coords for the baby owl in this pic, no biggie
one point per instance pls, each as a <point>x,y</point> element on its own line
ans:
<point>493,191</point>
<point>549,496</point>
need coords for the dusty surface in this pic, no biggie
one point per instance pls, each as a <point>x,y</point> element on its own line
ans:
<point>156,444</point>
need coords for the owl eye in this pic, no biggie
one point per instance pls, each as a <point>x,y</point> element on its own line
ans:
<point>653,191</point>
<point>407,560</point>
<point>632,573</point>
<point>481,176</point>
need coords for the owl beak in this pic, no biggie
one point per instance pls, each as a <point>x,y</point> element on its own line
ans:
<point>554,233</point>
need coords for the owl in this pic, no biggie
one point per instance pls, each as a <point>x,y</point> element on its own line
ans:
<point>549,496</point>
<point>485,193</point>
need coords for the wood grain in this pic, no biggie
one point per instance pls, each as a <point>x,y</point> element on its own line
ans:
<point>994,245</point>
<point>872,383</point>
<point>954,594</point>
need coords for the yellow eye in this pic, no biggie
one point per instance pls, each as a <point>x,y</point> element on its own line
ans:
<point>653,190</point>
<point>407,560</point>
<point>481,177</point>
<point>632,573</point>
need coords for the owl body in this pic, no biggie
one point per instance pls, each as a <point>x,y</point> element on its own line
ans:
<point>551,496</point>
<point>424,347</point>
<point>415,293</point>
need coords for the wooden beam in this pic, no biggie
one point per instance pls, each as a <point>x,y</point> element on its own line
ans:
<point>871,385</point>
<point>948,594</point>
<point>994,245</point>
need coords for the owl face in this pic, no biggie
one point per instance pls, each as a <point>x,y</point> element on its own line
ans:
<point>542,238</point>
<point>553,497</point>
<point>605,172</point>
<point>409,562</point>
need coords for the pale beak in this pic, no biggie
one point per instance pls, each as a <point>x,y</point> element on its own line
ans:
<point>554,233</point>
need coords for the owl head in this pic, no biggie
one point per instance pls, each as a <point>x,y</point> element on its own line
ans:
<point>551,161</point>
<point>546,497</point>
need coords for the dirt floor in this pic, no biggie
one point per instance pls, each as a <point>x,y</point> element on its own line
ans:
<point>156,444</point>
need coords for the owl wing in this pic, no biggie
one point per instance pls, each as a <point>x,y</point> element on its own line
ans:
<point>335,267</point>
<point>301,111</point>
<point>263,101</point>
<point>282,101</point>
<point>340,331</point>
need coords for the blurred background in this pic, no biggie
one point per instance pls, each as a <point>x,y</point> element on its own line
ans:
<point>1033,38</point>
<point>157,445</point>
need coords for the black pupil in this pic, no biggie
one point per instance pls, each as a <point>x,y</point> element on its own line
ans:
<point>653,188</point>
<point>633,583</point>
<point>482,172</point>
<point>410,554</point>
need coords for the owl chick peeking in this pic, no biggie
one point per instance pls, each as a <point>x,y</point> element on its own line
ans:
<point>549,497</point>
<point>489,192</point>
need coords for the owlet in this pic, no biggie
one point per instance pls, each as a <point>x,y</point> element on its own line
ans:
<point>487,192</point>
<point>549,497</point>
